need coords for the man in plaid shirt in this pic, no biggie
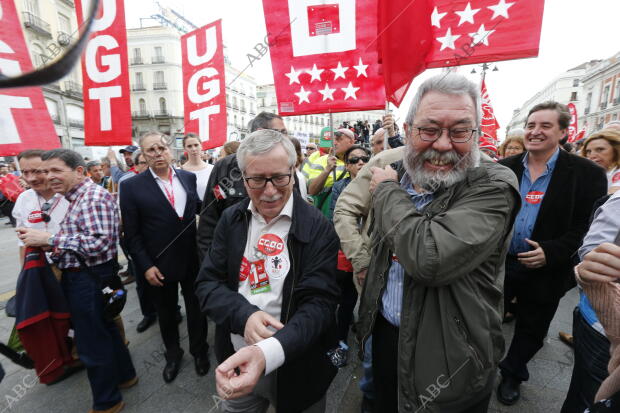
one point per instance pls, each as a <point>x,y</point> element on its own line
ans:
<point>89,229</point>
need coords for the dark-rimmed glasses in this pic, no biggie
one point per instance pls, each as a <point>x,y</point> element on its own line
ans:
<point>456,135</point>
<point>355,159</point>
<point>259,182</point>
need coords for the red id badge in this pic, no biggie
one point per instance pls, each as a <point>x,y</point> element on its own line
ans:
<point>259,280</point>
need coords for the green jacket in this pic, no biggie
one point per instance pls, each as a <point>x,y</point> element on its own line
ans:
<point>453,253</point>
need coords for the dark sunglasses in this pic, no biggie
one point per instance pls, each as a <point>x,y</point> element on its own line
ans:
<point>356,159</point>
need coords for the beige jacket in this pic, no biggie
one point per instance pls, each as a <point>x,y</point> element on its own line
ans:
<point>354,204</point>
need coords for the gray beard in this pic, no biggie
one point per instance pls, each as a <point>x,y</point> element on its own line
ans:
<point>432,181</point>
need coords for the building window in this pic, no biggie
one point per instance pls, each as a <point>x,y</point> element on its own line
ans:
<point>242,105</point>
<point>32,6</point>
<point>573,96</point>
<point>158,56</point>
<point>139,79</point>
<point>142,106</point>
<point>605,95</point>
<point>162,106</point>
<point>64,24</point>
<point>159,83</point>
<point>617,92</point>
<point>575,82</point>
<point>588,102</point>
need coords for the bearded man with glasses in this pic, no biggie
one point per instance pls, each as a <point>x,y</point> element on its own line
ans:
<point>442,220</point>
<point>269,284</point>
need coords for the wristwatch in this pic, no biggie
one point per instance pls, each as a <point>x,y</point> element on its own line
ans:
<point>50,241</point>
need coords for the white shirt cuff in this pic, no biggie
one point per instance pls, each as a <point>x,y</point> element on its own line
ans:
<point>273,352</point>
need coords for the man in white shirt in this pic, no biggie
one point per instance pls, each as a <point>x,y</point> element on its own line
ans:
<point>38,207</point>
<point>269,283</point>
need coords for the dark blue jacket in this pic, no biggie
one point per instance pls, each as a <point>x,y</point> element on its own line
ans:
<point>154,233</point>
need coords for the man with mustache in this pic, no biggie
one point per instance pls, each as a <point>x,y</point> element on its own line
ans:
<point>269,284</point>
<point>442,224</point>
<point>558,191</point>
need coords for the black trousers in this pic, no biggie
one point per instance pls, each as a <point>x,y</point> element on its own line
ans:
<point>165,299</point>
<point>384,363</point>
<point>590,368</point>
<point>348,298</point>
<point>533,319</point>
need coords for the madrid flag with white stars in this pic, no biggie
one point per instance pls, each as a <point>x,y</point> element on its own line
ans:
<point>324,55</point>
<point>475,31</point>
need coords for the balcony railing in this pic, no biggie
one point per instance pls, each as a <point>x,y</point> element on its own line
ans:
<point>76,123</point>
<point>36,24</point>
<point>617,101</point>
<point>138,87</point>
<point>68,3</point>
<point>136,61</point>
<point>142,114</point>
<point>587,111</point>
<point>603,105</point>
<point>158,59</point>
<point>162,114</point>
<point>160,86</point>
<point>73,88</point>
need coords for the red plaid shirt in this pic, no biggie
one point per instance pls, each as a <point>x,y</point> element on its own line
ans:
<point>90,227</point>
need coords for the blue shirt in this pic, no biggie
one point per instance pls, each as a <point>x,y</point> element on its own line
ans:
<point>392,301</point>
<point>532,195</point>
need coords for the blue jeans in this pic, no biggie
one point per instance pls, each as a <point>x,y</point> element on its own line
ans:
<point>366,384</point>
<point>98,341</point>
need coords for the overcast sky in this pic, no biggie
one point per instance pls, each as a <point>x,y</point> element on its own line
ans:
<point>574,31</point>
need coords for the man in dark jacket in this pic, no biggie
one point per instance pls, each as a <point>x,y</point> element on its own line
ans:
<point>225,187</point>
<point>558,191</point>
<point>269,283</point>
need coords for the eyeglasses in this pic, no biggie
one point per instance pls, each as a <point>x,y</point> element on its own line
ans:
<point>142,163</point>
<point>457,135</point>
<point>310,148</point>
<point>156,150</point>
<point>355,159</point>
<point>259,182</point>
<point>514,148</point>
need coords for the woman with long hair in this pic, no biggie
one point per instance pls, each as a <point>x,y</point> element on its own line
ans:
<point>193,146</point>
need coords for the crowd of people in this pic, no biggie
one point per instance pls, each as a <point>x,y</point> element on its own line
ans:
<point>439,235</point>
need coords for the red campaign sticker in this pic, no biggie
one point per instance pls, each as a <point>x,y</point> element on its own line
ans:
<point>259,280</point>
<point>270,245</point>
<point>35,217</point>
<point>615,178</point>
<point>244,269</point>
<point>534,197</point>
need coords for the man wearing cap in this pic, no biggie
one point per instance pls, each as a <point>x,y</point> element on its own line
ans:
<point>323,171</point>
<point>117,171</point>
<point>488,148</point>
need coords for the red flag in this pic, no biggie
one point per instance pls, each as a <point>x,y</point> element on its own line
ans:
<point>204,89</point>
<point>25,122</point>
<point>579,136</point>
<point>403,23</point>
<point>573,127</point>
<point>105,72</point>
<point>489,124</point>
<point>324,56</point>
<point>475,31</point>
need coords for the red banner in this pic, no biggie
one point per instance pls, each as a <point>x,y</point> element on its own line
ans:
<point>25,122</point>
<point>204,87</point>
<point>475,31</point>
<point>403,22</point>
<point>324,56</point>
<point>489,124</point>
<point>572,127</point>
<point>105,73</point>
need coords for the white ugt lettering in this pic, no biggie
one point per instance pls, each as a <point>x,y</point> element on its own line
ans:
<point>203,120</point>
<point>104,95</point>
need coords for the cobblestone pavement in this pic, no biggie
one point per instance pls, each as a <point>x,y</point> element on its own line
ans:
<point>20,392</point>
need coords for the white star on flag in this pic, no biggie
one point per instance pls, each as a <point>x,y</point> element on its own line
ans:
<point>448,40</point>
<point>327,93</point>
<point>315,73</point>
<point>339,71</point>
<point>467,15</point>
<point>361,68</point>
<point>350,91</point>
<point>303,95</point>
<point>481,36</point>
<point>436,18</point>
<point>500,9</point>
<point>293,76</point>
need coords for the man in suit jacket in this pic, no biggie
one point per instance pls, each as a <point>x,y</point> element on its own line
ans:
<point>158,208</point>
<point>558,191</point>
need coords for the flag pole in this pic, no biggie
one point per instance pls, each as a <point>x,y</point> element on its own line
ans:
<point>386,134</point>
<point>332,131</point>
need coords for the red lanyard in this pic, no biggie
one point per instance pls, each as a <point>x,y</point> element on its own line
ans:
<point>169,193</point>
